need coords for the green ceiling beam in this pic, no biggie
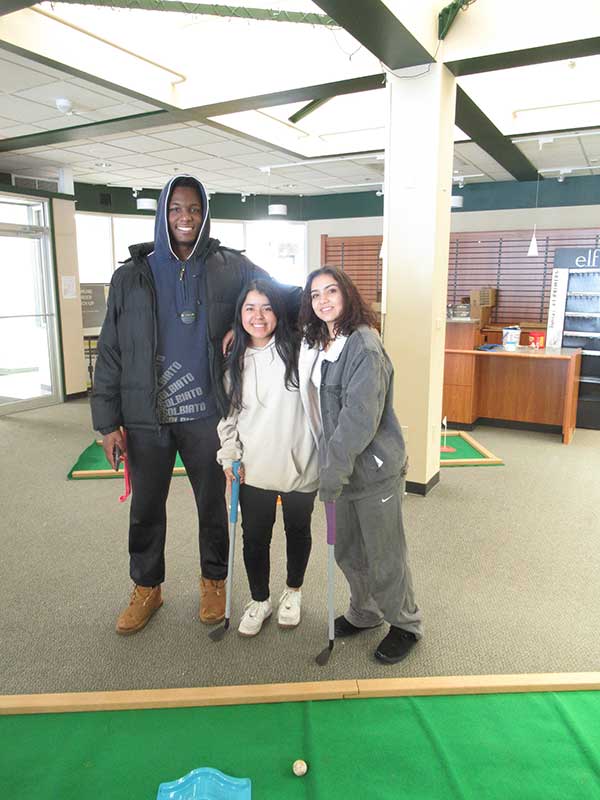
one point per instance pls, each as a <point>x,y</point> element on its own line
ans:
<point>212,10</point>
<point>381,32</point>
<point>524,58</point>
<point>307,109</point>
<point>471,119</point>
<point>8,6</point>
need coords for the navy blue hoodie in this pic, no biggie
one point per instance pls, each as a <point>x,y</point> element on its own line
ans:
<point>185,391</point>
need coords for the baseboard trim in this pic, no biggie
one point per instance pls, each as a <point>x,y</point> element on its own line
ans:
<point>460,426</point>
<point>76,396</point>
<point>423,488</point>
<point>538,427</point>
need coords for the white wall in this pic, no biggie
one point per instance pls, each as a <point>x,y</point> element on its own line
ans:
<point>354,226</point>
<point>513,219</point>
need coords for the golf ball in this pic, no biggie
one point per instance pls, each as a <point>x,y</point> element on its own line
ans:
<point>300,767</point>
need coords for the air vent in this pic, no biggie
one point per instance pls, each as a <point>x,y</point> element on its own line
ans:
<point>105,199</point>
<point>28,182</point>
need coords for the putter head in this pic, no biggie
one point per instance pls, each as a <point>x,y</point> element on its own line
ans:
<point>323,656</point>
<point>219,632</point>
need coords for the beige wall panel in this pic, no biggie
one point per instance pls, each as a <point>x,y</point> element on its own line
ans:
<point>65,242</point>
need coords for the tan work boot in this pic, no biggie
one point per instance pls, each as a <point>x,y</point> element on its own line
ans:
<point>212,601</point>
<point>144,601</point>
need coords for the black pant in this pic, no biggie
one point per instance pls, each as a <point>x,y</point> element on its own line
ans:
<point>151,456</point>
<point>258,517</point>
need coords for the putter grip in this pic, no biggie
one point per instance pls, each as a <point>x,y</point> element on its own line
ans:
<point>235,492</point>
<point>331,522</point>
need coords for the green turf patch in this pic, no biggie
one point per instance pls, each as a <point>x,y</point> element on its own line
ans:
<point>466,452</point>
<point>92,464</point>
<point>529,746</point>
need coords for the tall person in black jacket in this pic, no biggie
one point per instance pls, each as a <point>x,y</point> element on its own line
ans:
<point>158,378</point>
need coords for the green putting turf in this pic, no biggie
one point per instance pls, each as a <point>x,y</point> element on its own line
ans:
<point>93,459</point>
<point>463,450</point>
<point>530,746</point>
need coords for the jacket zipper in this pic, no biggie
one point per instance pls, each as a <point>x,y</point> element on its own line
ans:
<point>183,283</point>
<point>154,344</point>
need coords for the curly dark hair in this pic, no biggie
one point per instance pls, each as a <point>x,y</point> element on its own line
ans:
<point>355,311</point>
<point>287,341</point>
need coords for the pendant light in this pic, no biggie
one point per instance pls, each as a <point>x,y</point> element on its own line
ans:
<point>533,247</point>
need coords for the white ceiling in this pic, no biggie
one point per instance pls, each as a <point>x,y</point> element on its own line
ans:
<point>233,154</point>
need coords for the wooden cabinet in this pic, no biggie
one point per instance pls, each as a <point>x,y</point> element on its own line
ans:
<point>533,386</point>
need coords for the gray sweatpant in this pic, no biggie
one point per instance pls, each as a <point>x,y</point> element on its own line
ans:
<point>371,551</point>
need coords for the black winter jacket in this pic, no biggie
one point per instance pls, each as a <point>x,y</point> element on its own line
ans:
<point>125,381</point>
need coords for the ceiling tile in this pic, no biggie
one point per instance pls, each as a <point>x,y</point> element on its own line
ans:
<point>82,99</point>
<point>14,78</point>
<point>21,110</point>
<point>179,155</point>
<point>211,164</point>
<point>58,121</point>
<point>102,177</point>
<point>11,131</point>
<point>188,137</point>
<point>263,159</point>
<point>111,112</point>
<point>251,173</point>
<point>228,149</point>
<point>99,150</point>
<point>138,143</point>
<point>140,160</point>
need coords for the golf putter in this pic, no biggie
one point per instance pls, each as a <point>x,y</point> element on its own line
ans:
<point>323,656</point>
<point>220,632</point>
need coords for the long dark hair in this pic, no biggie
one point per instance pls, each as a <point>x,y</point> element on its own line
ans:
<point>287,341</point>
<point>355,312</point>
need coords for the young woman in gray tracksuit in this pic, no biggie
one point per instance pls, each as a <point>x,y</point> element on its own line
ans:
<point>266,429</point>
<point>346,384</point>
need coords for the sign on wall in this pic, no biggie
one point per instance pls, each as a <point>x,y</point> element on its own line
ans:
<point>93,305</point>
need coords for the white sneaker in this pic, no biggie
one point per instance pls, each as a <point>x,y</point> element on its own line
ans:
<point>257,611</point>
<point>289,608</point>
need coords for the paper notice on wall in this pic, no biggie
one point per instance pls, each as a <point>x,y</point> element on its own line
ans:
<point>69,287</point>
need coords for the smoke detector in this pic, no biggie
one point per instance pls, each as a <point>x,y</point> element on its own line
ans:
<point>64,105</point>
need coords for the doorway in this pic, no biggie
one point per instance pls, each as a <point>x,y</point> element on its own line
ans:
<point>29,339</point>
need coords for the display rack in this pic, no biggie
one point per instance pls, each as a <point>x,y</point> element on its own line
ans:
<point>574,321</point>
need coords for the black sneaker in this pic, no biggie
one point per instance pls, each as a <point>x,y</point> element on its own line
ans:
<point>344,628</point>
<point>396,645</point>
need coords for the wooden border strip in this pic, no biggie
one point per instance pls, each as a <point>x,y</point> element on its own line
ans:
<point>299,692</point>
<point>176,698</point>
<point>490,459</point>
<point>80,474</point>
<point>480,684</point>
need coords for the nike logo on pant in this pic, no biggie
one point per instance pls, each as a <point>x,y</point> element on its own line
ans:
<point>385,499</point>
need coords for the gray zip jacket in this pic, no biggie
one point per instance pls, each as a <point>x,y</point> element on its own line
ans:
<point>361,447</point>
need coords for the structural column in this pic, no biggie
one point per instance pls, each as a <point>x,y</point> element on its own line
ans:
<point>418,187</point>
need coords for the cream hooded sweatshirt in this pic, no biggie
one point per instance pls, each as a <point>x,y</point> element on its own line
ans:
<point>270,435</point>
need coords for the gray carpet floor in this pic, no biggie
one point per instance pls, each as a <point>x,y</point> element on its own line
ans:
<point>506,563</point>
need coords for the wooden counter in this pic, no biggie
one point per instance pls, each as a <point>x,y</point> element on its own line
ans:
<point>534,386</point>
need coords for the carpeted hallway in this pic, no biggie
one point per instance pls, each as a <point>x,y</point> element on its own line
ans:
<point>505,561</point>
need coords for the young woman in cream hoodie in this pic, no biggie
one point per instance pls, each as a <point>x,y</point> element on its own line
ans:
<point>268,431</point>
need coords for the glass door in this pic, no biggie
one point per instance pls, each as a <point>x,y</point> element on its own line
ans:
<point>29,365</point>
